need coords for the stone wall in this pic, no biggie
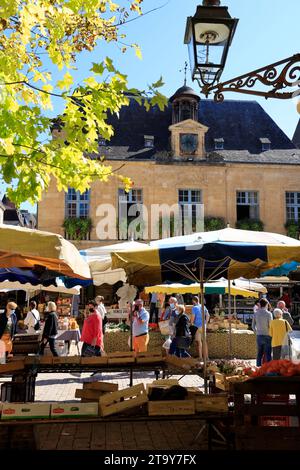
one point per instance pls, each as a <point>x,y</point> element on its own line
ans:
<point>160,184</point>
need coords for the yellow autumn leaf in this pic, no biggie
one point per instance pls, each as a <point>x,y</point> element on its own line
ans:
<point>137,51</point>
<point>8,145</point>
<point>66,82</point>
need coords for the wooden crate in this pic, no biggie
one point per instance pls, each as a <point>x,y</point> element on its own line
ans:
<point>11,367</point>
<point>171,407</point>
<point>122,357</point>
<point>18,358</point>
<point>46,360</point>
<point>193,393</point>
<point>186,363</point>
<point>102,386</point>
<point>59,360</point>
<point>168,382</point>
<point>162,383</point>
<point>214,403</point>
<point>91,395</point>
<point>71,359</point>
<point>97,361</point>
<point>149,357</point>
<point>223,381</point>
<point>117,402</point>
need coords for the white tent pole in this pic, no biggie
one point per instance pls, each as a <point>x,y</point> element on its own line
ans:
<point>72,305</point>
<point>229,317</point>
<point>201,269</point>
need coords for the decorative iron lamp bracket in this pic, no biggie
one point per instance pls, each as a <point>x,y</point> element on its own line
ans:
<point>274,75</point>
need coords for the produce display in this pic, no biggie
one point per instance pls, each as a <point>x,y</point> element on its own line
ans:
<point>280,367</point>
<point>219,322</point>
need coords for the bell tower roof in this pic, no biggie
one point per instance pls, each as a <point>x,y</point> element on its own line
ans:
<point>185,92</point>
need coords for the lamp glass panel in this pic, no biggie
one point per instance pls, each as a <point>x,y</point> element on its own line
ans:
<point>209,55</point>
<point>217,33</point>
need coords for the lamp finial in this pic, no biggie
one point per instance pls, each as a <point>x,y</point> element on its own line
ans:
<point>211,3</point>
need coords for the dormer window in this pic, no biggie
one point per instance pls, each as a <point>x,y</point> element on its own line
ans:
<point>219,144</point>
<point>265,144</point>
<point>149,141</point>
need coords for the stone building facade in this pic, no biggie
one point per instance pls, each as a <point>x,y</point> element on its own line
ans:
<point>231,157</point>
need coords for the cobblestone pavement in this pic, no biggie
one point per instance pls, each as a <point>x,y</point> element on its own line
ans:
<point>61,387</point>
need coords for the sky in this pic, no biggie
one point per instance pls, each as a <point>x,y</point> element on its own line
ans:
<point>268,31</point>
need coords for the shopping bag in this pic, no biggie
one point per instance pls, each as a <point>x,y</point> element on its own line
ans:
<point>165,328</point>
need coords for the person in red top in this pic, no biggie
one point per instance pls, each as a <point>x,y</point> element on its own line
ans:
<point>286,298</point>
<point>92,332</point>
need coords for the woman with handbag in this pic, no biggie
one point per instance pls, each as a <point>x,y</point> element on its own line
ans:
<point>92,333</point>
<point>182,340</point>
<point>50,330</point>
<point>278,328</point>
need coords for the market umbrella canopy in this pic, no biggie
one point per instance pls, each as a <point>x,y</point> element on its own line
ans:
<point>229,252</point>
<point>25,248</point>
<point>209,288</point>
<point>99,261</point>
<point>8,285</point>
<point>23,276</point>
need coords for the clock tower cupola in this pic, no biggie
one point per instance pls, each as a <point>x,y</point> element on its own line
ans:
<point>187,133</point>
<point>185,104</point>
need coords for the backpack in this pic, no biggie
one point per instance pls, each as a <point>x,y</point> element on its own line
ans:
<point>37,326</point>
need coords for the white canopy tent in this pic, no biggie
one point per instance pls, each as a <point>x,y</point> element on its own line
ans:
<point>7,286</point>
<point>99,261</point>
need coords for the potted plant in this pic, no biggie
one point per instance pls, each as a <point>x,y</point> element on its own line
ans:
<point>292,229</point>
<point>213,223</point>
<point>77,228</point>
<point>250,224</point>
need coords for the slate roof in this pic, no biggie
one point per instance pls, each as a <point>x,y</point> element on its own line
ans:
<point>240,123</point>
<point>296,138</point>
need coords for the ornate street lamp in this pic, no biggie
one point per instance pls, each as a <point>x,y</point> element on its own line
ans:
<point>209,34</point>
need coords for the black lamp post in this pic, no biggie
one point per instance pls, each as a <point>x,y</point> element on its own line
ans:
<point>209,34</point>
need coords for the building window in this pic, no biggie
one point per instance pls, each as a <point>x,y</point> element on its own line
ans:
<point>265,144</point>
<point>129,205</point>
<point>292,200</point>
<point>190,202</point>
<point>77,204</point>
<point>149,141</point>
<point>219,144</point>
<point>247,205</point>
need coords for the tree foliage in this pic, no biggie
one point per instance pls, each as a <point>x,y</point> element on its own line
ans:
<point>38,38</point>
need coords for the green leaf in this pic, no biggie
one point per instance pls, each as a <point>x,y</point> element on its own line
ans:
<point>159,83</point>
<point>98,68</point>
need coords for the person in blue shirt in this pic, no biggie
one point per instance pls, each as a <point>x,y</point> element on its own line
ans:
<point>196,320</point>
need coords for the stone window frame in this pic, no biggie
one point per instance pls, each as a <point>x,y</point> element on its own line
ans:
<point>77,204</point>
<point>248,198</point>
<point>292,205</point>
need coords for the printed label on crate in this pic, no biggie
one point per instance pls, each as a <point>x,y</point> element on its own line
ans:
<point>75,410</point>
<point>25,411</point>
<point>282,421</point>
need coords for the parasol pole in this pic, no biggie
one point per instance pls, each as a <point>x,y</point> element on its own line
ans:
<point>131,342</point>
<point>201,269</point>
<point>229,317</point>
